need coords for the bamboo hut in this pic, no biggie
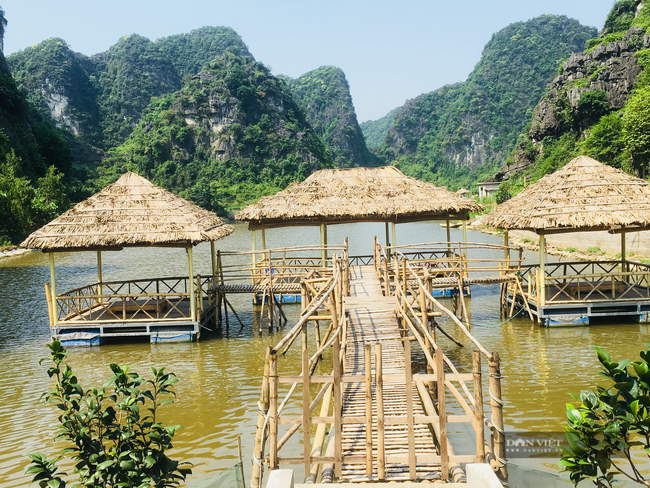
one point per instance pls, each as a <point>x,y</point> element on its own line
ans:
<point>337,196</point>
<point>132,212</point>
<point>585,195</point>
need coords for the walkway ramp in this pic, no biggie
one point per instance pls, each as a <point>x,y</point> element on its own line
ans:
<point>372,319</point>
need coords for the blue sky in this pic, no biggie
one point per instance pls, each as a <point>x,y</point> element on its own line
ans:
<point>390,50</point>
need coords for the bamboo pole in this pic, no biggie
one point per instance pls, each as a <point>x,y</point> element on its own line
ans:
<point>387,240</point>
<point>214,261</point>
<point>497,414</point>
<point>408,379</point>
<point>338,405</point>
<point>306,414</point>
<point>394,234</point>
<point>273,410</point>
<point>442,415</point>
<point>368,374</point>
<point>319,438</point>
<point>379,393</point>
<point>48,298</point>
<point>323,243</point>
<point>263,238</point>
<point>99,276</point>
<point>256,476</point>
<point>478,408</point>
<point>506,243</point>
<point>623,254</point>
<point>55,316</point>
<point>542,270</point>
<point>190,265</point>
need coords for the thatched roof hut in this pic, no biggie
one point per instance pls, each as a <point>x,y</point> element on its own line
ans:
<point>335,196</point>
<point>130,212</point>
<point>585,195</point>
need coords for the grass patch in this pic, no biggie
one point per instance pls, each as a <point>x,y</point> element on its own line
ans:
<point>595,250</point>
<point>568,249</point>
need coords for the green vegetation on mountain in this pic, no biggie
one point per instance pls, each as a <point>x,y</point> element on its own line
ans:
<point>459,134</point>
<point>100,99</point>
<point>136,70</point>
<point>33,157</point>
<point>375,131</point>
<point>231,134</point>
<point>189,52</point>
<point>324,96</point>
<point>598,105</point>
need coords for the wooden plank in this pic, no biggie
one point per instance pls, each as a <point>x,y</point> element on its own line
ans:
<point>442,412</point>
<point>379,394</point>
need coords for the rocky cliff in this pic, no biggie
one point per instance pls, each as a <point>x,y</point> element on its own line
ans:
<point>456,134</point>
<point>234,131</point>
<point>324,96</point>
<point>585,108</point>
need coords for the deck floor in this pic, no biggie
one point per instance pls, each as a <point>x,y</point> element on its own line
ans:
<point>372,319</point>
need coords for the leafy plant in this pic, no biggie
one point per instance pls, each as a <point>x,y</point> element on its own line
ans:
<point>112,433</point>
<point>610,423</point>
<point>595,250</point>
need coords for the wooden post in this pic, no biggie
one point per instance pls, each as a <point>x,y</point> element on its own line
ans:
<point>442,414</point>
<point>48,298</point>
<point>214,263</point>
<point>464,231</point>
<point>506,243</point>
<point>254,256</point>
<point>368,373</point>
<point>306,414</point>
<point>99,276</point>
<point>387,241</point>
<point>497,414</point>
<point>199,295</point>
<point>190,265</point>
<point>542,270</point>
<point>404,285</point>
<point>408,379</point>
<point>263,238</point>
<point>55,316</point>
<point>259,434</point>
<point>623,254</point>
<point>379,393</point>
<point>478,408</point>
<point>394,234</point>
<point>273,410</point>
<point>323,243</point>
<point>338,405</point>
<point>448,239</point>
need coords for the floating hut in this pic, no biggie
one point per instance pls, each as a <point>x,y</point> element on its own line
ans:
<point>339,196</point>
<point>585,195</point>
<point>132,212</point>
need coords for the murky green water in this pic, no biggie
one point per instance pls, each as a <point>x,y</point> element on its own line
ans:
<point>220,376</point>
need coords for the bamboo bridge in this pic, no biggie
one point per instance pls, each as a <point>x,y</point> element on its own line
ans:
<point>371,418</point>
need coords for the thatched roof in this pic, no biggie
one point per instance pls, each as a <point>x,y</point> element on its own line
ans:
<point>463,191</point>
<point>333,196</point>
<point>584,195</point>
<point>130,212</point>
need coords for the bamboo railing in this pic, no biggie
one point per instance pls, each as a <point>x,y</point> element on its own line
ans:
<point>415,302</point>
<point>131,301</point>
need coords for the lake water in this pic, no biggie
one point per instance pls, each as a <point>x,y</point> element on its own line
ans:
<point>219,377</point>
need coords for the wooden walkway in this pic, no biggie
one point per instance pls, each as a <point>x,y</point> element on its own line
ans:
<point>372,319</point>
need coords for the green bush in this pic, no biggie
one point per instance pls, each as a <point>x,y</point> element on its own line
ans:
<point>113,434</point>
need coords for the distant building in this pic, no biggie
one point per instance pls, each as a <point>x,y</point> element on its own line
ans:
<point>487,188</point>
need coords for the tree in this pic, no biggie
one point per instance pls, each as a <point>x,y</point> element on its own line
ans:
<point>610,423</point>
<point>636,128</point>
<point>111,440</point>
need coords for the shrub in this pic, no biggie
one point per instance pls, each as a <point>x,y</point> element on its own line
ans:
<point>113,433</point>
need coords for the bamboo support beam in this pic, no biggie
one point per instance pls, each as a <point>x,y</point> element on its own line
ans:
<point>542,270</point>
<point>379,394</point>
<point>260,433</point>
<point>55,316</point>
<point>497,415</point>
<point>368,378</point>
<point>99,276</point>
<point>273,411</point>
<point>478,408</point>
<point>190,265</point>
<point>442,415</point>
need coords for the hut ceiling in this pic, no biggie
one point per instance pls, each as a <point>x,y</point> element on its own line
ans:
<point>584,195</point>
<point>334,196</point>
<point>130,212</point>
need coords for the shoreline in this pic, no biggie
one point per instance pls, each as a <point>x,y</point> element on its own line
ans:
<point>13,251</point>
<point>573,245</point>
